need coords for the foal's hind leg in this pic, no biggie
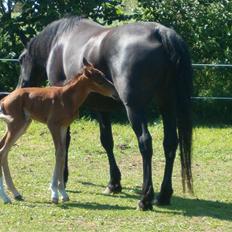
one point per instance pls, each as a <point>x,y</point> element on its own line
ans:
<point>15,130</point>
<point>3,194</point>
<point>170,143</point>
<point>107,142</point>
<point>9,181</point>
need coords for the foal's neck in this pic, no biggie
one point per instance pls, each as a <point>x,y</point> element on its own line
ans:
<point>77,89</point>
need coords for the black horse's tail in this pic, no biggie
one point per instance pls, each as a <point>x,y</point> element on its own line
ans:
<point>177,50</point>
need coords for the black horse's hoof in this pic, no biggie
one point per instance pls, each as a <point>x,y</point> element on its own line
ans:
<point>19,198</point>
<point>144,205</point>
<point>162,200</point>
<point>113,189</point>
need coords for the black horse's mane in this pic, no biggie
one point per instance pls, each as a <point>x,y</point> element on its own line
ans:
<point>39,46</point>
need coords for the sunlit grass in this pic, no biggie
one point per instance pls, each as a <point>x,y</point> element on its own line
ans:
<point>32,160</point>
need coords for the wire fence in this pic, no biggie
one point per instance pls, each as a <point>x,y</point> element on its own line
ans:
<point>213,65</point>
<point>194,65</point>
<point>11,60</point>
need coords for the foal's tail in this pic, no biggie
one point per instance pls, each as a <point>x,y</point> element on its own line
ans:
<point>179,56</point>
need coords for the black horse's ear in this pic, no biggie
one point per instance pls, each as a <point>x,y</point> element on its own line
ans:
<point>86,62</point>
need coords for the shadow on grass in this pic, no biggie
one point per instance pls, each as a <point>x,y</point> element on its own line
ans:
<point>199,208</point>
<point>135,192</point>
<point>180,206</point>
<point>94,206</point>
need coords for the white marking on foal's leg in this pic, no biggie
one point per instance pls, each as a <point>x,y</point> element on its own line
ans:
<point>3,195</point>
<point>54,194</point>
<point>63,193</point>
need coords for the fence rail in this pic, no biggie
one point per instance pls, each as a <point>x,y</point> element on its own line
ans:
<point>213,65</point>
<point>194,65</point>
<point>11,60</point>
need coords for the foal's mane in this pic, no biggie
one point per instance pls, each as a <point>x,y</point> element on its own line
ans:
<point>39,46</point>
<point>73,80</point>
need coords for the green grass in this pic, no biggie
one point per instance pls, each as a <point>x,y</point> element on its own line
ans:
<point>32,159</point>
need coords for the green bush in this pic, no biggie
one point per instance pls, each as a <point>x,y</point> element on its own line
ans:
<point>207,28</point>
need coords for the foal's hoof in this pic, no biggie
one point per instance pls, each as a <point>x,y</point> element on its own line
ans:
<point>19,198</point>
<point>7,201</point>
<point>144,206</point>
<point>107,191</point>
<point>55,200</point>
<point>65,199</point>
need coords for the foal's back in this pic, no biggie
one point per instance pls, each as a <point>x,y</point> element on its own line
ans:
<point>34,102</point>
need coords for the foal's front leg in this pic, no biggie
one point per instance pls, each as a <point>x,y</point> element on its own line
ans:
<point>62,161</point>
<point>57,183</point>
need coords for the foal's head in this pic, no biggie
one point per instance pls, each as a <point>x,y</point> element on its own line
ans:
<point>97,81</point>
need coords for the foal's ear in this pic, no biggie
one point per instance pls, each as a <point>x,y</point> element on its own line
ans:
<point>87,72</point>
<point>86,62</point>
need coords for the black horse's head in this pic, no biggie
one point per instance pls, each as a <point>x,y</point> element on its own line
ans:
<point>31,73</point>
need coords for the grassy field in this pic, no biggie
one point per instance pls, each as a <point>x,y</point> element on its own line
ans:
<point>32,158</point>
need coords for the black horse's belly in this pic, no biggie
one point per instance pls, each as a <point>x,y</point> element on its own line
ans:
<point>100,103</point>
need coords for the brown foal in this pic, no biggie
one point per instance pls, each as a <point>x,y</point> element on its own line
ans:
<point>55,106</point>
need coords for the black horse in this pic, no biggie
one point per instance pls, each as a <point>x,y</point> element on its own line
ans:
<point>144,60</point>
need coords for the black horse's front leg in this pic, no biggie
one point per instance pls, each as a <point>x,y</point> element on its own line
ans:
<point>139,125</point>
<point>66,173</point>
<point>114,185</point>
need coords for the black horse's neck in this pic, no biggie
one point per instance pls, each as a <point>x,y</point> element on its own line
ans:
<point>40,46</point>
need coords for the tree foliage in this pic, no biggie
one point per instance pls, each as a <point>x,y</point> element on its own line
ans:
<point>206,25</point>
<point>23,19</point>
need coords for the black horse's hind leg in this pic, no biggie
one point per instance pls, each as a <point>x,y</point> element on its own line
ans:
<point>139,125</point>
<point>170,144</point>
<point>68,138</point>
<point>114,185</point>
